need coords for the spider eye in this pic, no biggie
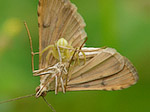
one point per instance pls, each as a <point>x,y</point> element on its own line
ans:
<point>62,42</point>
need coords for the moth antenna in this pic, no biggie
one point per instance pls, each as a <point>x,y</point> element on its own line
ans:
<point>32,54</point>
<point>18,98</point>
<point>49,104</point>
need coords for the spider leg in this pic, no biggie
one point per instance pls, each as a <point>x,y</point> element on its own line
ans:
<point>84,56</point>
<point>69,67</point>
<point>81,48</point>
<point>77,59</point>
<point>44,50</point>
<point>62,84</point>
<point>55,54</point>
<point>48,56</point>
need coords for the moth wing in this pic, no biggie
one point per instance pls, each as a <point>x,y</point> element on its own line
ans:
<point>105,69</point>
<point>59,19</point>
<point>123,79</point>
<point>107,62</point>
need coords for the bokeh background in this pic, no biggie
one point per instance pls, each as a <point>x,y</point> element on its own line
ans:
<point>121,24</point>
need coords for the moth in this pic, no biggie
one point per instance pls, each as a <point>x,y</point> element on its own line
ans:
<point>65,64</point>
<point>106,70</point>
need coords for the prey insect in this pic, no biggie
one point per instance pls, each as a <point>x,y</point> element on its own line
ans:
<point>65,64</point>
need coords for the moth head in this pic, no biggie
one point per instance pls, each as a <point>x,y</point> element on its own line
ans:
<point>40,92</point>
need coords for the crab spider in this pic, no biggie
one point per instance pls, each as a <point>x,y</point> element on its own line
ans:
<point>61,51</point>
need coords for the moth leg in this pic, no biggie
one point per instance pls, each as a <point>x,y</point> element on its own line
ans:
<point>34,53</point>
<point>45,73</point>
<point>41,70</point>
<point>65,72</point>
<point>32,60</point>
<point>62,84</point>
<point>31,47</point>
<point>56,82</point>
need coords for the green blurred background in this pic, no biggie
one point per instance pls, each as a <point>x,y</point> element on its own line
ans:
<point>121,24</point>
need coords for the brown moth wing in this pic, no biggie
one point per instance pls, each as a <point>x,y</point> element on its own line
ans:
<point>123,79</point>
<point>58,19</point>
<point>107,62</point>
<point>113,72</point>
